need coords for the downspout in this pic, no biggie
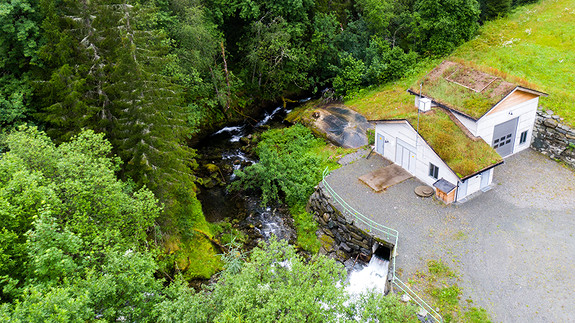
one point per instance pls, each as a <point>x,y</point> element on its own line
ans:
<point>457,190</point>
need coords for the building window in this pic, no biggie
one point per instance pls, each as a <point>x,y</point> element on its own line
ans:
<point>523,138</point>
<point>433,171</point>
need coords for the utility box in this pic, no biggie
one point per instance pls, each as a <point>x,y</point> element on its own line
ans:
<point>424,104</point>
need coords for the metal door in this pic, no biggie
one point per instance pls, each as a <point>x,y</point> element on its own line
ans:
<point>405,158</point>
<point>504,137</point>
<point>380,143</point>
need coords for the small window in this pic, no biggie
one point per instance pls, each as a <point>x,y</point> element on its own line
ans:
<point>523,138</point>
<point>433,171</point>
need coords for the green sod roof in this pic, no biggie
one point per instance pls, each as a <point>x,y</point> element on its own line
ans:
<point>462,154</point>
<point>463,88</point>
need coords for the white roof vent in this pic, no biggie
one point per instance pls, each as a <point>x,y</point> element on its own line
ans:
<point>424,104</point>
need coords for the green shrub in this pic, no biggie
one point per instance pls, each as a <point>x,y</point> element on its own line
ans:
<point>306,227</point>
<point>288,168</point>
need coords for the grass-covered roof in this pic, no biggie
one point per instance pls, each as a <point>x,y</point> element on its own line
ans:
<point>463,88</point>
<point>534,42</point>
<point>462,154</point>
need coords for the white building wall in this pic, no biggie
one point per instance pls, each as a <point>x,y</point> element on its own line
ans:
<point>468,189</point>
<point>424,154</point>
<point>526,112</point>
<point>471,125</point>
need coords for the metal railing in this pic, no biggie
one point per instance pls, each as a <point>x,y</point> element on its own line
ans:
<point>430,311</point>
<point>389,235</point>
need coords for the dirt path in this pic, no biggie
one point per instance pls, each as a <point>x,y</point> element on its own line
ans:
<point>513,246</point>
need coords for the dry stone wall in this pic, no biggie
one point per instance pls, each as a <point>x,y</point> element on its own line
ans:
<point>553,138</point>
<point>340,238</point>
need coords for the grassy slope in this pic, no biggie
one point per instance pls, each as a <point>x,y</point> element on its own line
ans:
<point>536,43</point>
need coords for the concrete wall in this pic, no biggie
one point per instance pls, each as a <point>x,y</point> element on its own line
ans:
<point>552,138</point>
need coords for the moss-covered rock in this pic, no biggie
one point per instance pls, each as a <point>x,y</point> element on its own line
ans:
<point>211,168</point>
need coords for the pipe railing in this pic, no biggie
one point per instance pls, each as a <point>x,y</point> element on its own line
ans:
<point>389,235</point>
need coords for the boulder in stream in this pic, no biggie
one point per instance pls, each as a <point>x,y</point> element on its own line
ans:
<point>342,126</point>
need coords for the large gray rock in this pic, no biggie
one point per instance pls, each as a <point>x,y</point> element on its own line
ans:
<point>342,126</point>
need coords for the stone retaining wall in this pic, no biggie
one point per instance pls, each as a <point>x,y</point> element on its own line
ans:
<point>340,238</point>
<point>552,138</point>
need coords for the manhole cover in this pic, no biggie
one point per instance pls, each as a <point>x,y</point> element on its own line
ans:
<point>424,191</point>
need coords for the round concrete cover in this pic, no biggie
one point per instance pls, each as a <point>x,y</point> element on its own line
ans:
<point>424,191</point>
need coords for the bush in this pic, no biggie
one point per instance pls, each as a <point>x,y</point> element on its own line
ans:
<point>288,168</point>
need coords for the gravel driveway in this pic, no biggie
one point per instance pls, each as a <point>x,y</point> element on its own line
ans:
<point>513,246</point>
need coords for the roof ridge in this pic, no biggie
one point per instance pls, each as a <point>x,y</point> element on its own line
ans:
<point>461,125</point>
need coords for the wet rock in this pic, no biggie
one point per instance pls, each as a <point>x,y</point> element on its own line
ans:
<point>208,183</point>
<point>344,247</point>
<point>348,263</point>
<point>244,141</point>
<point>342,126</point>
<point>211,168</point>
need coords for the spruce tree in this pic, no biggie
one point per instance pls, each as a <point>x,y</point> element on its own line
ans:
<point>112,80</point>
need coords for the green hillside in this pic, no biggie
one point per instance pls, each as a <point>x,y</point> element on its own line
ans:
<point>536,43</point>
<point>534,46</point>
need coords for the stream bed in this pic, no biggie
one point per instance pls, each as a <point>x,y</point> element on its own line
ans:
<point>221,154</point>
<point>228,150</point>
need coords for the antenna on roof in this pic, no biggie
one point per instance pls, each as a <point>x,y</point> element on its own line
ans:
<point>418,111</point>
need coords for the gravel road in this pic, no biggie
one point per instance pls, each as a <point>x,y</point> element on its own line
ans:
<point>513,246</point>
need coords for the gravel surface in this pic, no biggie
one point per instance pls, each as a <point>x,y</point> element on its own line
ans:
<point>513,246</point>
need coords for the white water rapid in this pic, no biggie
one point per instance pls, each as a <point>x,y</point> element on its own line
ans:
<point>371,277</point>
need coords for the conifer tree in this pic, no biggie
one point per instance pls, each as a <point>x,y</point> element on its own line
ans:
<point>114,82</point>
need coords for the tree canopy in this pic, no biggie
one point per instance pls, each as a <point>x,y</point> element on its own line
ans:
<point>63,203</point>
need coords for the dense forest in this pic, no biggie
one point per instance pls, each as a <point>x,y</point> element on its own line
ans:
<point>99,102</point>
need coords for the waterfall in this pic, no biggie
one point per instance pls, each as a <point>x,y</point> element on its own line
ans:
<point>370,277</point>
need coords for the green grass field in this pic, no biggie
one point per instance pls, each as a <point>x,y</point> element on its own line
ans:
<point>534,46</point>
<point>535,43</point>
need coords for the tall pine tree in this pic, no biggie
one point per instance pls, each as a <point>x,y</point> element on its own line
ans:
<point>111,78</point>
